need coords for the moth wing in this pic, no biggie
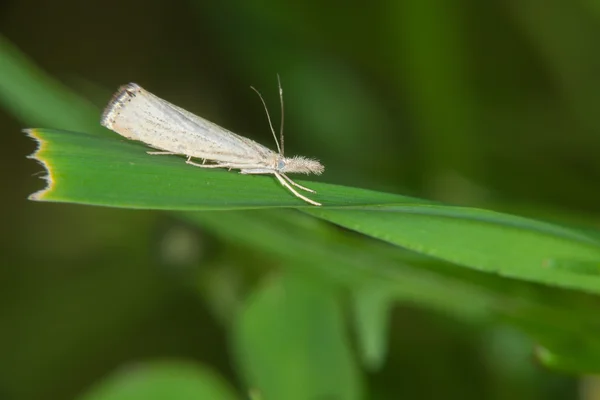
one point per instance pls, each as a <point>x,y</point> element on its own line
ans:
<point>138,114</point>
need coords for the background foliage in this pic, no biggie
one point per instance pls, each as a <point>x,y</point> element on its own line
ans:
<point>482,104</point>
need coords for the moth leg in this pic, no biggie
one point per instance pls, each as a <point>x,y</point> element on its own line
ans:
<point>223,165</point>
<point>160,153</point>
<point>291,189</point>
<point>203,165</point>
<point>287,178</point>
<point>257,171</point>
<point>270,171</point>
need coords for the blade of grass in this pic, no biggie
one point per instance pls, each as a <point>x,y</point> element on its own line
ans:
<point>174,380</point>
<point>38,99</point>
<point>484,240</point>
<point>89,169</point>
<point>275,341</point>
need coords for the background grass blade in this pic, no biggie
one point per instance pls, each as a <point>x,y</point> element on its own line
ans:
<point>159,380</point>
<point>291,342</point>
<point>37,98</point>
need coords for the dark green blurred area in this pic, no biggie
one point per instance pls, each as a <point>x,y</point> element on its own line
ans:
<point>488,104</point>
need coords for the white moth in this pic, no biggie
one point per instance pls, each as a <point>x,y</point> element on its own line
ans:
<point>139,115</point>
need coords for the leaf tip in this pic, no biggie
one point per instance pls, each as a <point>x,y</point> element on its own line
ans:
<point>38,156</point>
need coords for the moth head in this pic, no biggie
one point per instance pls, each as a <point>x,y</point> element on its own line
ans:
<point>300,165</point>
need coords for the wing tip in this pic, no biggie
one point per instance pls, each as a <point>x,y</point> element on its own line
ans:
<point>118,101</point>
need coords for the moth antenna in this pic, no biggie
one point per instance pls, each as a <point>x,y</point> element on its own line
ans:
<point>268,117</point>
<point>282,114</point>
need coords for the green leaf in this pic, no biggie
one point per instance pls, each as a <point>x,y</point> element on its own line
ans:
<point>372,312</point>
<point>161,380</point>
<point>291,343</point>
<point>484,240</point>
<point>91,169</point>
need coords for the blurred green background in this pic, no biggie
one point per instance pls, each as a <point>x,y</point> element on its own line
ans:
<point>488,104</point>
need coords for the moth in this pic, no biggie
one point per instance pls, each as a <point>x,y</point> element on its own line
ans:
<point>139,115</point>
